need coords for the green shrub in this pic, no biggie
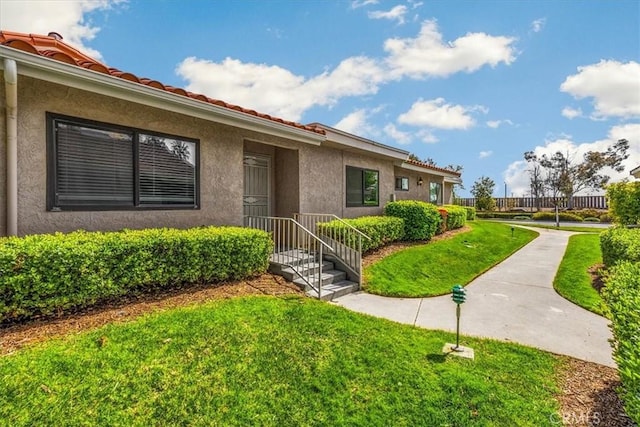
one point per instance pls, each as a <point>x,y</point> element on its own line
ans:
<point>586,213</point>
<point>500,215</point>
<point>456,216</point>
<point>380,229</point>
<point>522,217</point>
<point>45,274</point>
<point>624,202</point>
<point>551,216</point>
<point>421,220</point>
<point>620,244</point>
<point>471,213</point>
<point>622,295</point>
<point>591,219</point>
<point>605,217</point>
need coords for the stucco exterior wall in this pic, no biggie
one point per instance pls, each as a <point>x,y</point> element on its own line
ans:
<point>3,159</point>
<point>221,171</point>
<point>415,192</point>
<point>421,192</point>
<point>323,181</point>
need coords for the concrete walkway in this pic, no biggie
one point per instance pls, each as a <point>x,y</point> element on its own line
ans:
<point>514,301</point>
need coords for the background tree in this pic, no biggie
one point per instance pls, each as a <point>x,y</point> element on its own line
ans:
<point>536,178</point>
<point>482,190</point>
<point>567,176</point>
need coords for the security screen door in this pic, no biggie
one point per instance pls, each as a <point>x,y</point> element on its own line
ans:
<point>256,185</point>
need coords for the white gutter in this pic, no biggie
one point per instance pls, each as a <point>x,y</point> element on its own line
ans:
<point>11,92</point>
<point>81,78</point>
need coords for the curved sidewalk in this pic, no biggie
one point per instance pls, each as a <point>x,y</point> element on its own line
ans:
<point>513,301</point>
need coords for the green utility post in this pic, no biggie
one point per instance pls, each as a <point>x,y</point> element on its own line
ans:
<point>459,296</point>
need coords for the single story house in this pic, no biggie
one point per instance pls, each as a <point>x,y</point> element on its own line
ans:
<point>95,148</point>
<point>636,172</point>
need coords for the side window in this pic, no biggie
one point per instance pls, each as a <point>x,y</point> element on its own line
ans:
<point>402,183</point>
<point>363,187</point>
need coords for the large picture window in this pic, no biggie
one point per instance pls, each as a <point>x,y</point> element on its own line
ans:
<point>98,166</point>
<point>362,187</point>
<point>435,193</point>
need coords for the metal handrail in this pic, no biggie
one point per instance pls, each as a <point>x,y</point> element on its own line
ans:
<point>292,242</point>
<point>341,240</point>
<point>337,218</point>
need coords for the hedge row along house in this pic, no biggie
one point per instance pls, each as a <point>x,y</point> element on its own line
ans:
<point>95,148</point>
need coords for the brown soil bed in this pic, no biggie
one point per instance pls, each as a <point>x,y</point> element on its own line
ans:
<point>588,396</point>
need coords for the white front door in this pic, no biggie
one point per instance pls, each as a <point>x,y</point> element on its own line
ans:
<point>256,185</point>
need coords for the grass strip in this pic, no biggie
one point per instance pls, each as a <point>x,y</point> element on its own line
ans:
<point>274,362</point>
<point>573,280</point>
<point>432,269</point>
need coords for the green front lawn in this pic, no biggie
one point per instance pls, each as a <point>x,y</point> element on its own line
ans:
<point>432,269</point>
<point>274,362</point>
<point>572,280</point>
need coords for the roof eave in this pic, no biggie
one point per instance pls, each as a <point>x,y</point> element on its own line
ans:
<point>80,78</point>
<point>359,143</point>
<point>454,177</point>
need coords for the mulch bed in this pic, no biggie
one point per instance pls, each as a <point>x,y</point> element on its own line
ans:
<point>588,396</point>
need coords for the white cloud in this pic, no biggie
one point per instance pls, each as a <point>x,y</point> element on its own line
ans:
<point>356,4</point>
<point>68,18</point>
<point>395,14</point>
<point>426,136</point>
<point>517,177</point>
<point>357,122</point>
<point>485,154</point>
<point>614,87</point>
<point>428,55</point>
<point>494,124</point>
<point>281,92</point>
<point>538,25</point>
<point>415,4</point>
<point>400,137</point>
<point>278,91</point>
<point>435,113</point>
<point>571,113</point>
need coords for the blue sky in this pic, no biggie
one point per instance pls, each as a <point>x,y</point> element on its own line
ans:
<point>474,83</point>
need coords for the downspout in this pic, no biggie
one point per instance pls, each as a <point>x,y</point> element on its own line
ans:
<point>11,89</point>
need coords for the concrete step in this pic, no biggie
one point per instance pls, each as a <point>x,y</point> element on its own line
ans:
<point>328,277</point>
<point>291,274</point>
<point>335,290</point>
<point>292,257</point>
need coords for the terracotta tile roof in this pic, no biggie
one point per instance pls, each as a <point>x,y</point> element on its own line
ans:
<point>52,46</point>
<point>435,168</point>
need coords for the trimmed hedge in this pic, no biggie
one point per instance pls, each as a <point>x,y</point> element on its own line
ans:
<point>45,274</point>
<point>456,216</point>
<point>620,244</point>
<point>421,219</point>
<point>624,202</point>
<point>471,212</point>
<point>551,216</point>
<point>381,230</point>
<point>622,295</point>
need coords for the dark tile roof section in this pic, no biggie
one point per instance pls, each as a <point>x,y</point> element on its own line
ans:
<point>51,46</point>
<point>435,168</point>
